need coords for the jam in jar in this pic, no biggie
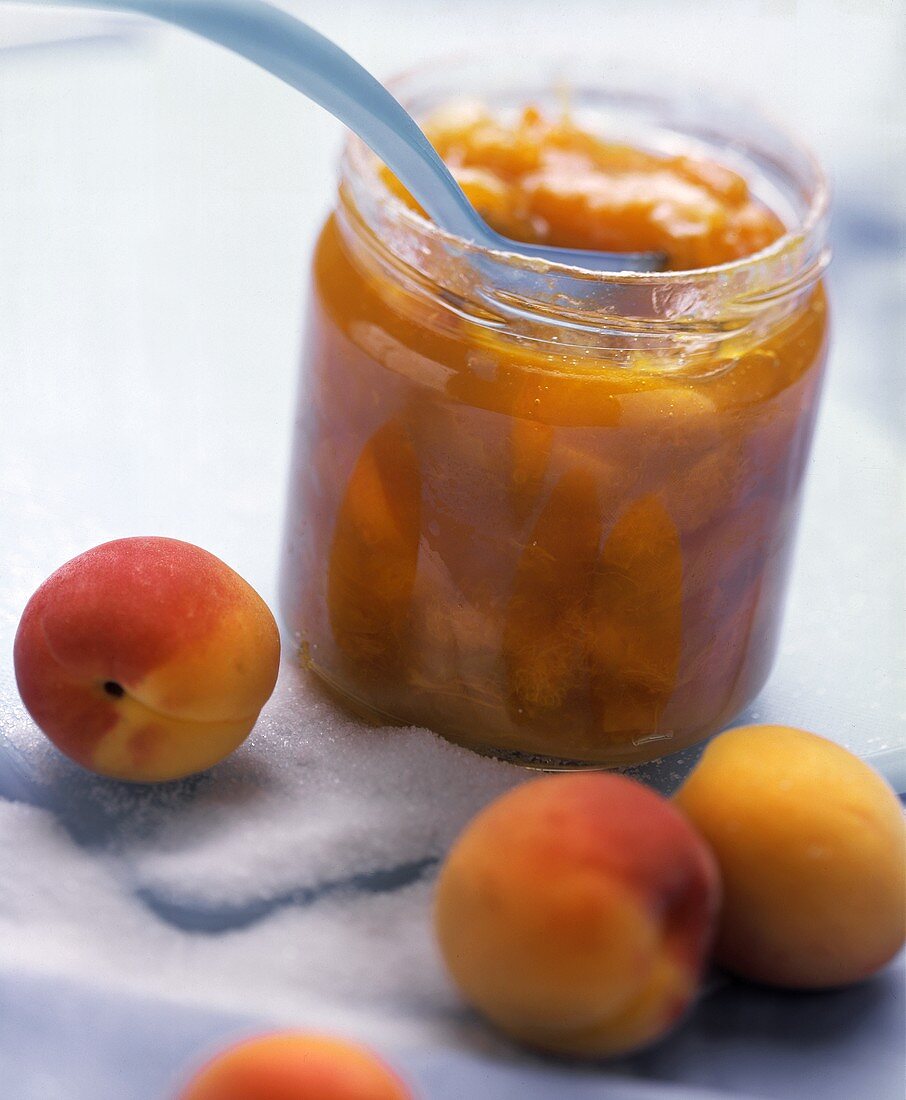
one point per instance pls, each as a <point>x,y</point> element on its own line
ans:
<point>543,511</point>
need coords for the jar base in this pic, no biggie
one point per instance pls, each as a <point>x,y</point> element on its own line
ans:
<point>540,762</point>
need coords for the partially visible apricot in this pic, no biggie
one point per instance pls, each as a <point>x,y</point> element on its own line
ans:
<point>296,1066</point>
<point>811,846</point>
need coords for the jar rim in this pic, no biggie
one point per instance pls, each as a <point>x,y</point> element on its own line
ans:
<point>781,271</point>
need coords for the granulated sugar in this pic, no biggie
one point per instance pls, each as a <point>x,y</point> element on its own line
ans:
<point>294,879</point>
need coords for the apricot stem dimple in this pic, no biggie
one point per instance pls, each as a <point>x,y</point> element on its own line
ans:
<point>114,689</point>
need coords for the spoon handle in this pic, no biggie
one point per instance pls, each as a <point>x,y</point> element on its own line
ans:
<point>301,57</point>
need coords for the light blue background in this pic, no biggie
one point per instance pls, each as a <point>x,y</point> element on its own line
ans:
<point>158,201</point>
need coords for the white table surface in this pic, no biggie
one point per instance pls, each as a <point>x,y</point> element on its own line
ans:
<point>158,202</point>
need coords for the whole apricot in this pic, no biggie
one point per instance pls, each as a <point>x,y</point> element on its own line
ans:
<point>295,1066</point>
<point>811,845</point>
<point>146,659</point>
<point>576,913</point>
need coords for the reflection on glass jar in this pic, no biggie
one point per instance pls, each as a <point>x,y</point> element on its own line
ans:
<point>545,512</point>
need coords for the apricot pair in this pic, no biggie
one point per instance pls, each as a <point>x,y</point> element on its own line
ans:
<point>579,911</point>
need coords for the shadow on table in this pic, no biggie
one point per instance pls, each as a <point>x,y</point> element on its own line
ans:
<point>63,1038</point>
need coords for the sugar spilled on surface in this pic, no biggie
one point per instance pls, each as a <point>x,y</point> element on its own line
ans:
<point>293,880</point>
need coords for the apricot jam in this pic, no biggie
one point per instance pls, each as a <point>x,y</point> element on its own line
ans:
<point>546,181</point>
<point>546,512</point>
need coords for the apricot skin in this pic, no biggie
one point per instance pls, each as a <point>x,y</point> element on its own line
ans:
<point>295,1066</point>
<point>576,913</point>
<point>811,846</point>
<point>146,659</point>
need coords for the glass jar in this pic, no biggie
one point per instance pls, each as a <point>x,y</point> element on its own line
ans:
<point>545,512</point>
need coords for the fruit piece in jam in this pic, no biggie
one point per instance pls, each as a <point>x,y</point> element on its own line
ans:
<point>546,181</point>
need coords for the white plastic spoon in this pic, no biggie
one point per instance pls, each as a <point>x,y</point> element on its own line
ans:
<point>311,63</point>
